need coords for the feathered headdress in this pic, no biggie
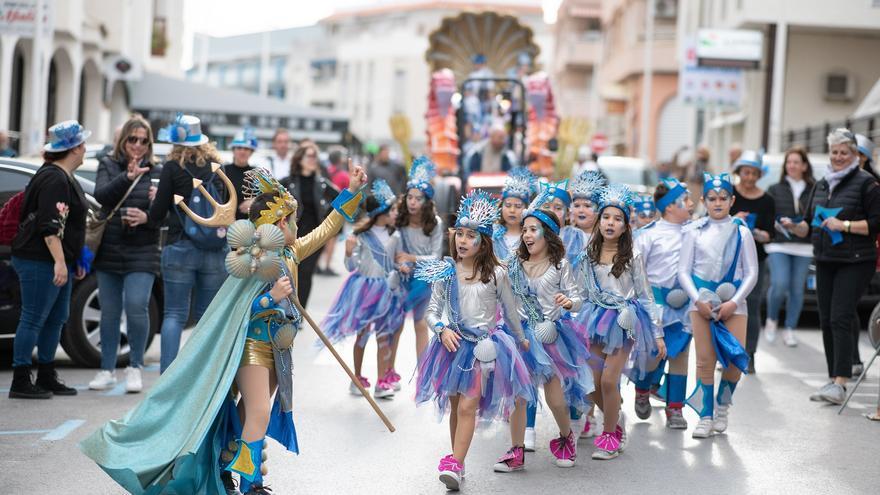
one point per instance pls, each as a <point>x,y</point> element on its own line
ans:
<point>421,174</point>
<point>258,181</point>
<point>586,185</point>
<point>617,195</point>
<point>478,211</point>
<point>384,195</point>
<point>534,210</point>
<point>520,183</point>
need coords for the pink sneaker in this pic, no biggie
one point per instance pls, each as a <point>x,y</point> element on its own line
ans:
<point>564,449</point>
<point>352,388</point>
<point>513,460</point>
<point>383,389</point>
<point>393,378</point>
<point>588,431</point>
<point>451,472</point>
<point>607,446</point>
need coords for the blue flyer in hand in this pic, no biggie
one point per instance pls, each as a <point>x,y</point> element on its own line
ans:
<point>823,214</point>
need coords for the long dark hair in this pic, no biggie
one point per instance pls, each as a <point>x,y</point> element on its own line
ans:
<point>624,256</point>
<point>132,124</point>
<point>808,173</point>
<point>369,222</point>
<point>484,261</point>
<point>298,155</point>
<point>428,214</point>
<point>555,247</point>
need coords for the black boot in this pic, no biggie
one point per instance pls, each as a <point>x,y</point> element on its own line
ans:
<point>259,489</point>
<point>23,386</point>
<point>751,368</point>
<point>47,378</point>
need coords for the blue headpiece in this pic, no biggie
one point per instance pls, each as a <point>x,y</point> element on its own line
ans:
<point>676,189</point>
<point>384,195</point>
<point>644,204</point>
<point>586,185</point>
<point>479,58</point>
<point>520,183</point>
<point>66,135</point>
<point>478,211</point>
<point>421,173</point>
<point>185,130</point>
<point>717,183</point>
<point>244,139</point>
<point>534,209</point>
<point>618,196</point>
<point>558,190</point>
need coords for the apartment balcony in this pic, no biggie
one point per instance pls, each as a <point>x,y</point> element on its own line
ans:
<point>579,51</point>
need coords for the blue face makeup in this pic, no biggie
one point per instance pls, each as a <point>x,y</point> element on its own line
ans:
<point>539,231</point>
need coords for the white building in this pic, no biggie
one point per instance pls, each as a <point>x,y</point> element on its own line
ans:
<point>76,50</point>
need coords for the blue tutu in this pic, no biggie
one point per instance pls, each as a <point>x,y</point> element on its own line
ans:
<point>605,331</point>
<point>443,374</point>
<point>418,295</point>
<point>362,302</point>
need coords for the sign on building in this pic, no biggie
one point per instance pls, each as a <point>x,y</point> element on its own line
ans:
<point>707,86</point>
<point>19,17</point>
<point>731,48</point>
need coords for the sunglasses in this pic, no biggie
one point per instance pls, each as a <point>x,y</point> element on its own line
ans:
<point>137,140</point>
<point>310,155</point>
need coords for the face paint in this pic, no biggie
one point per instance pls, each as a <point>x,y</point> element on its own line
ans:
<point>476,241</point>
<point>539,232</point>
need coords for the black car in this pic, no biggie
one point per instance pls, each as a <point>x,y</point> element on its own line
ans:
<point>81,338</point>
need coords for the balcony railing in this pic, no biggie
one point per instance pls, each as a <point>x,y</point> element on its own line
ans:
<point>812,138</point>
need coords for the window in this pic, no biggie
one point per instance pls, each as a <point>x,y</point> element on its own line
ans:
<point>11,183</point>
<point>398,88</point>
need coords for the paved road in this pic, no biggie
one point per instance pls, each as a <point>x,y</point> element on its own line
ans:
<point>777,440</point>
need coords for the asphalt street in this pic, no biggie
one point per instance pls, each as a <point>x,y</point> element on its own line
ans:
<point>778,441</point>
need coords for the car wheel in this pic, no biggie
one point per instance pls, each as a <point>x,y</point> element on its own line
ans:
<point>81,339</point>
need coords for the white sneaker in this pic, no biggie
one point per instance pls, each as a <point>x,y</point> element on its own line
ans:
<point>103,380</point>
<point>703,429</point>
<point>789,338</point>
<point>817,396</point>
<point>624,439</point>
<point>834,394</point>
<point>529,440</point>
<point>133,381</point>
<point>721,413</point>
<point>770,330</point>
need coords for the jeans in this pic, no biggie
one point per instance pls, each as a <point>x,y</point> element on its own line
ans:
<point>753,302</point>
<point>44,310</point>
<point>130,291</point>
<point>839,286</point>
<point>186,268</point>
<point>788,274</point>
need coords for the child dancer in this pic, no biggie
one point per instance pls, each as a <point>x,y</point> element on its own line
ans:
<point>518,188</point>
<point>421,239</point>
<point>718,267</point>
<point>659,244</point>
<point>622,314</point>
<point>370,300</point>
<point>546,290</point>
<point>471,367</point>
<point>645,211</point>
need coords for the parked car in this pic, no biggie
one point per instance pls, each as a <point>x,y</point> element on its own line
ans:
<point>636,173</point>
<point>81,338</point>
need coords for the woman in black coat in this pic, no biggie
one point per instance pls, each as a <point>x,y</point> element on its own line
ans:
<point>315,195</point>
<point>128,260</point>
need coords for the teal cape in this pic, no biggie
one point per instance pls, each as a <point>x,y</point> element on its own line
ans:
<point>171,442</point>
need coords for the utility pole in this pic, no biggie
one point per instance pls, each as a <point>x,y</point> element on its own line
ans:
<point>647,77</point>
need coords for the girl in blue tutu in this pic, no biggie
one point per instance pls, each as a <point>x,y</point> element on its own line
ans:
<point>518,189</point>
<point>623,318</point>
<point>370,301</point>
<point>421,239</point>
<point>546,290</point>
<point>471,368</point>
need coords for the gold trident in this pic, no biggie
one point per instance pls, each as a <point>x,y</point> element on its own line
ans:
<point>224,214</point>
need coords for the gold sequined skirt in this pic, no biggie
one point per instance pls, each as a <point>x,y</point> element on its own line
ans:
<point>258,353</point>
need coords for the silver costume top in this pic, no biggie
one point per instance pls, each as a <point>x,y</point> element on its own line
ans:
<point>478,302</point>
<point>545,281</point>
<point>631,285</point>
<point>362,259</point>
<point>660,244</point>
<point>707,250</point>
<point>422,246</point>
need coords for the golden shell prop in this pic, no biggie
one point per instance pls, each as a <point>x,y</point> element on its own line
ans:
<point>283,338</point>
<point>546,332</point>
<point>676,298</point>
<point>485,351</point>
<point>254,251</point>
<point>726,291</point>
<point>626,319</point>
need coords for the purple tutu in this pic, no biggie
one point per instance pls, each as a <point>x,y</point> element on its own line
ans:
<point>443,374</point>
<point>604,331</point>
<point>362,302</point>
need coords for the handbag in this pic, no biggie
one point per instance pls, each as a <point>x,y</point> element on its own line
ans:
<point>95,225</point>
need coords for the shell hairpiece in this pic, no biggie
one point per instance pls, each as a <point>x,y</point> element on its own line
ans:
<point>479,211</point>
<point>384,195</point>
<point>421,174</point>
<point>259,181</point>
<point>586,185</point>
<point>617,195</point>
<point>520,183</point>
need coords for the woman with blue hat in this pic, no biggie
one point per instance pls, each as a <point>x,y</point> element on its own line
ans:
<point>243,145</point>
<point>758,210</point>
<point>193,260</point>
<point>47,254</point>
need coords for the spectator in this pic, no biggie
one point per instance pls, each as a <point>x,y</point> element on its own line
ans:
<point>492,156</point>
<point>127,261</point>
<point>337,172</point>
<point>788,257</point>
<point>47,256</point>
<point>733,153</point>
<point>866,162</point>
<point>193,260</point>
<point>845,253</point>
<point>5,150</point>
<point>694,174</point>
<point>757,209</point>
<point>279,160</point>
<point>586,161</point>
<point>382,167</point>
<point>315,195</point>
<point>243,145</point>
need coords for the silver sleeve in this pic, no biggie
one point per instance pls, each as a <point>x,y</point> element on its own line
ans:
<point>569,286</point>
<point>354,261</point>
<point>645,295</point>
<point>686,264</point>
<point>434,312</point>
<point>509,307</point>
<point>749,260</point>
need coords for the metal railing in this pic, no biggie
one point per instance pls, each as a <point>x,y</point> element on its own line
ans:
<point>813,138</point>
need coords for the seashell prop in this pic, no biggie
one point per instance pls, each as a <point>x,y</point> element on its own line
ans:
<point>240,234</point>
<point>283,338</point>
<point>268,267</point>
<point>676,298</point>
<point>270,237</point>
<point>238,265</point>
<point>726,291</point>
<point>485,351</point>
<point>626,319</point>
<point>546,332</point>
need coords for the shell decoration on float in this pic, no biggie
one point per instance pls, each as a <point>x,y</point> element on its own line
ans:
<point>254,250</point>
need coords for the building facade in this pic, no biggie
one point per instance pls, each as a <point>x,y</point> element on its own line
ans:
<point>576,57</point>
